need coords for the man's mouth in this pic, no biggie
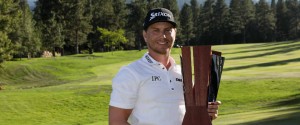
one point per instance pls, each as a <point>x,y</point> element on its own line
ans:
<point>162,42</point>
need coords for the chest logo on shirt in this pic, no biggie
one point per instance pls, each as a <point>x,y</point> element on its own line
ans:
<point>156,78</point>
<point>177,79</point>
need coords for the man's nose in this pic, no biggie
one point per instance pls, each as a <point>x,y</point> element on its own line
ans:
<point>163,34</point>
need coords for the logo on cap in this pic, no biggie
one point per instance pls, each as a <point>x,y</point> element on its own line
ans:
<point>158,15</point>
<point>153,15</point>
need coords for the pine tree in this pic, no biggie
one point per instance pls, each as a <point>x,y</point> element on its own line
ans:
<point>154,4</point>
<point>6,46</point>
<point>195,7</point>
<point>220,15</point>
<point>10,16</point>
<point>248,15</point>
<point>265,21</point>
<point>137,12</point>
<point>186,24</point>
<point>293,16</point>
<point>78,25</point>
<point>273,6</point>
<point>282,23</point>
<point>51,22</point>
<point>206,22</point>
<point>102,16</point>
<point>198,25</point>
<point>120,12</point>
<point>30,41</point>
<point>236,24</point>
<point>173,7</point>
<point>53,37</point>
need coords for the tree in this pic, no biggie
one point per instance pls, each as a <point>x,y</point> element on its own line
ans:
<point>206,22</point>
<point>195,7</point>
<point>265,21</point>
<point>10,16</point>
<point>293,16</point>
<point>137,11</point>
<point>30,40</point>
<point>186,23</point>
<point>53,37</point>
<point>51,22</point>
<point>6,47</point>
<point>154,4</point>
<point>236,22</point>
<point>248,16</point>
<point>120,12</point>
<point>78,26</point>
<point>173,7</point>
<point>112,39</point>
<point>273,6</point>
<point>220,14</point>
<point>102,16</point>
<point>282,22</point>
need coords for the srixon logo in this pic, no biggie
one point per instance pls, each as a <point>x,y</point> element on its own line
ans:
<point>156,78</point>
<point>153,15</point>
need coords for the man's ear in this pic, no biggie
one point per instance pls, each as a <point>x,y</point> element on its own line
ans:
<point>175,31</point>
<point>144,35</point>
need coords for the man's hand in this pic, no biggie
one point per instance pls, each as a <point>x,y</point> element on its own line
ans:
<point>213,109</point>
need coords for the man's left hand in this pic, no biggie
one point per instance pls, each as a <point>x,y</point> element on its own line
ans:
<point>213,109</point>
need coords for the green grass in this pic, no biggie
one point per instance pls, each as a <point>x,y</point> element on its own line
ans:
<point>275,116</point>
<point>260,85</point>
<point>249,95</point>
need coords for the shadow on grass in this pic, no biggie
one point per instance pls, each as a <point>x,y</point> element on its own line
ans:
<point>292,100</point>
<point>285,119</point>
<point>280,50</point>
<point>290,118</point>
<point>281,62</point>
<point>270,44</point>
<point>263,49</point>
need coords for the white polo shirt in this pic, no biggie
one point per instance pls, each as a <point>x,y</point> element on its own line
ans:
<point>154,93</point>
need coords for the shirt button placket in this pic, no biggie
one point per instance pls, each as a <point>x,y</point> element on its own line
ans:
<point>170,83</point>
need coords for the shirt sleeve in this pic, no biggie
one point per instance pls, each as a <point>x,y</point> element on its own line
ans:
<point>124,89</point>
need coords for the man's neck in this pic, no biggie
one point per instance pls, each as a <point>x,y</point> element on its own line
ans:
<point>162,58</point>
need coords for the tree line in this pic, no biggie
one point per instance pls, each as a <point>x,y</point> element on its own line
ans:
<point>87,26</point>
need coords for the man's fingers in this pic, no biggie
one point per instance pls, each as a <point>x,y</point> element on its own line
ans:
<point>215,103</point>
<point>213,106</point>
<point>213,115</point>
<point>213,109</point>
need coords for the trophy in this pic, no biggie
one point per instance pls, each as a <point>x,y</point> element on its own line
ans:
<point>208,66</point>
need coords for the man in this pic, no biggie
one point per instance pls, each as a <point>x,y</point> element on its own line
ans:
<point>149,91</point>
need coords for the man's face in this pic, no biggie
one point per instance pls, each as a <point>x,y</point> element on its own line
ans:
<point>160,37</point>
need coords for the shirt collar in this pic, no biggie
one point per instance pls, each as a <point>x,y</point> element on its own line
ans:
<point>149,60</point>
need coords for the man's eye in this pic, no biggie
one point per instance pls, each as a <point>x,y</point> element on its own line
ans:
<point>168,31</point>
<point>156,30</point>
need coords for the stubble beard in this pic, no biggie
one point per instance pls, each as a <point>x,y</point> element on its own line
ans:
<point>160,50</point>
